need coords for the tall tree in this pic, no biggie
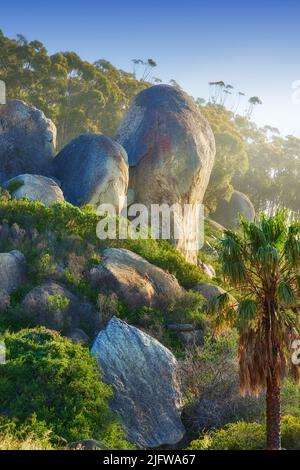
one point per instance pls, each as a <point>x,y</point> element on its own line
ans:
<point>262,262</point>
<point>77,95</point>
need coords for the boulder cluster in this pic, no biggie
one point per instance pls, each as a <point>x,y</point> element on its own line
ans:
<point>163,153</point>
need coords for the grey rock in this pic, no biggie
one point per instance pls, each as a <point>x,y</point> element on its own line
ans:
<point>171,151</point>
<point>93,169</point>
<point>78,336</point>
<point>4,300</point>
<point>27,140</point>
<point>17,234</point>
<point>191,338</point>
<point>35,188</point>
<point>133,279</point>
<point>12,270</point>
<point>4,232</point>
<point>87,444</point>
<point>209,291</point>
<point>178,327</point>
<point>229,212</point>
<point>143,374</point>
<point>188,334</point>
<point>207,269</point>
<point>55,307</point>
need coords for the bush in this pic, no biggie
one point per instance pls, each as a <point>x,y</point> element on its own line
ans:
<point>235,436</point>
<point>58,381</point>
<point>64,219</point>
<point>249,436</point>
<point>210,380</point>
<point>32,435</point>
<point>291,398</point>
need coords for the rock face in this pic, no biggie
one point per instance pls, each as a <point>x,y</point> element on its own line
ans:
<point>143,374</point>
<point>187,333</point>
<point>27,140</point>
<point>86,444</point>
<point>133,279</point>
<point>35,188</point>
<point>228,213</point>
<point>53,306</point>
<point>12,270</point>
<point>209,291</point>
<point>171,151</point>
<point>4,300</point>
<point>93,169</point>
<point>207,269</point>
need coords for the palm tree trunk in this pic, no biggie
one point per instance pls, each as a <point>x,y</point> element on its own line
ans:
<point>273,403</point>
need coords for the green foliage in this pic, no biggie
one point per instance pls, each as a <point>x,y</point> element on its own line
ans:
<point>274,167</point>
<point>78,96</point>
<point>64,219</point>
<point>231,154</point>
<point>262,262</point>
<point>235,436</point>
<point>48,375</point>
<point>248,436</point>
<point>31,435</point>
<point>58,303</point>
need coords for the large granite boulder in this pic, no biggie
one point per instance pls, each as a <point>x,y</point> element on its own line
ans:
<point>229,212</point>
<point>27,140</point>
<point>171,151</point>
<point>35,188</point>
<point>209,291</point>
<point>133,279</point>
<point>12,270</point>
<point>143,374</point>
<point>53,306</point>
<point>93,169</point>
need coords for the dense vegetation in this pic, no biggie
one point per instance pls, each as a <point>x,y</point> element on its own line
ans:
<point>263,264</point>
<point>66,401</point>
<point>82,97</point>
<point>57,383</point>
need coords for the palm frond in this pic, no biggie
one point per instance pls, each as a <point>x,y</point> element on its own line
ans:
<point>286,295</point>
<point>246,313</point>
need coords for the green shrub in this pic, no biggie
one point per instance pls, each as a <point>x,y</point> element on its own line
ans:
<point>291,398</point>
<point>235,436</point>
<point>249,436</point>
<point>31,435</point>
<point>187,309</point>
<point>58,381</point>
<point>58,303</point>
<point>64,219</point>
<point>290,429</point>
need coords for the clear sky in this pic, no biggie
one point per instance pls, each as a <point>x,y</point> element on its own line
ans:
<point>253,45</point>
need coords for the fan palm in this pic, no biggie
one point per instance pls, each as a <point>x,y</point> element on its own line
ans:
<point>262,262</point>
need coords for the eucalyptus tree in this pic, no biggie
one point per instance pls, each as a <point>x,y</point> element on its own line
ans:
<point>262,262</point>
<point>239,96</point>
<point>253,101</point>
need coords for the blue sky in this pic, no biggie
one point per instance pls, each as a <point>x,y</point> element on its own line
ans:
<point>255,46</point>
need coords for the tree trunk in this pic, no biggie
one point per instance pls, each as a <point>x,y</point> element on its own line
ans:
<point>273,403</point>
